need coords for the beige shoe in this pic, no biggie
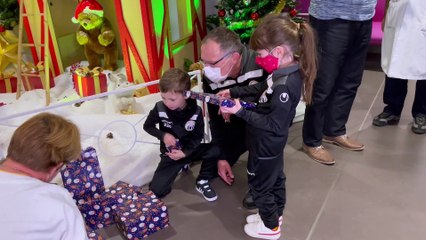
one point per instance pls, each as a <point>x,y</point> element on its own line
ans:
<point>343,141</point>
<point>319,154</point>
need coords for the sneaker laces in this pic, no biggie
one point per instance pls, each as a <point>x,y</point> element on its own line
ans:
<point>205,186</point>
<point>421,119</point>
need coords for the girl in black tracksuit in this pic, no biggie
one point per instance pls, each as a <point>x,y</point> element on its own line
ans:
<point>285,50</point>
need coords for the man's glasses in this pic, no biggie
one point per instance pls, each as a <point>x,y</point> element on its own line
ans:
<point>214,63</point>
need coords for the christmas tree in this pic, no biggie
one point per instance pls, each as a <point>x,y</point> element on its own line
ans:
<point>243,16</point>
<point>9,13</point>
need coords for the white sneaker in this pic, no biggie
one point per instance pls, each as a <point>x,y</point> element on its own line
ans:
<point>256,218</point>
<point>258,230</point>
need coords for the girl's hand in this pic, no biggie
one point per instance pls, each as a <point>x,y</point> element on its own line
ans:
<point>176,154</point>
<point>224,93</point>
<point>233,109</point>
<point>226,116</point>
<point>169,140</point>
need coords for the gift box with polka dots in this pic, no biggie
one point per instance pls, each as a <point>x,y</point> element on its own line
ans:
<point>138,214</point>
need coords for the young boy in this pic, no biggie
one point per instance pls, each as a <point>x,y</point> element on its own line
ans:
<point>181,129</point>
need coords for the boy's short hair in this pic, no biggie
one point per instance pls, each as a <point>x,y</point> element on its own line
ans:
<point>44,141</point>
<point>175,80</point>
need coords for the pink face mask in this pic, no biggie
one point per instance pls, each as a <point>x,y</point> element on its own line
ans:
<point>269,62</point>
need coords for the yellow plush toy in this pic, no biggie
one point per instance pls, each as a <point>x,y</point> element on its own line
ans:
<point>95,34</point>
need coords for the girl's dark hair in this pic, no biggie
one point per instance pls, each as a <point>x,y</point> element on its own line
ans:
<point>175,80</point>
<point>280,29</point>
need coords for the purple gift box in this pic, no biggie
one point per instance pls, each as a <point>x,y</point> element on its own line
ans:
<point>121,190</point>
<point>141,215</point>
<point>138,214</point>
<point>97,213</point>
<point>83,177</point>
<point>92,235</point>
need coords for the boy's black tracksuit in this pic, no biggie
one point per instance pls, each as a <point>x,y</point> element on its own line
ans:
<point>187,125</point>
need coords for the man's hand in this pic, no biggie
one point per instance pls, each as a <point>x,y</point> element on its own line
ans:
<point>225,172</point>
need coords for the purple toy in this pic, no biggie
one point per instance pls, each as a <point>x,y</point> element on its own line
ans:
<point>216,100</point>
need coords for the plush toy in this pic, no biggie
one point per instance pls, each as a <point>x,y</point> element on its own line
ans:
<point>95,34</point>
<point>122,102</point>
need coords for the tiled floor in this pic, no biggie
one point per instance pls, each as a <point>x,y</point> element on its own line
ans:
<point>375,194</point>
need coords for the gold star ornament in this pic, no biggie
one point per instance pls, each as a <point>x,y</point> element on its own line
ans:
<point>8,49</point>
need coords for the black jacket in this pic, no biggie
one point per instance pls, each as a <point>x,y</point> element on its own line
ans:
<point>277,98</point>
<point>187,125</point>
<point>250,73</point>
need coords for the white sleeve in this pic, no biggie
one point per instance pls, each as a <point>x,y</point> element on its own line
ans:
<point>74,228</point>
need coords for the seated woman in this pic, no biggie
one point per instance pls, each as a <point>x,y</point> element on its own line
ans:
<point>31,207</point>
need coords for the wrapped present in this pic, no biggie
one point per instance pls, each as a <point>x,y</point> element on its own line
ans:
<point>121,190</point>
<point>34,76</point>
<point>92,234</point>
<point>8,83</point>
<point>89,82</point>
<point>97,213</point>
<point>83,179</point>
<point>138,214</point>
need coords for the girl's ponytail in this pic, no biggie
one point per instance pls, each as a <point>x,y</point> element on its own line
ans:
<point>308,59</point>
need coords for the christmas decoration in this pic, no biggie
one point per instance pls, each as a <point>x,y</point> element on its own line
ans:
<point>254,16</point>
<point>243,16</point>
<point>293,13</point>
<point>9,14</point>
<point>8,83</point>
<point>95,34</point>
<point>34,77</point>
<point>221,13</point>
<point>8,49</point>
<point>89,82</point>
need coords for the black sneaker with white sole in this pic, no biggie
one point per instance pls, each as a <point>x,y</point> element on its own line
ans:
<point>419,124</point>
<point>203,187</point>
<point>385,118</point>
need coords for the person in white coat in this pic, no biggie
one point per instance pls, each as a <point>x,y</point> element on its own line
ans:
<point>403,59</point>
<point>31,208</point>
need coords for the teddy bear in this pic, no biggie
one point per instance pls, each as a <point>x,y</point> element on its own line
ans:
<point>95,34</point>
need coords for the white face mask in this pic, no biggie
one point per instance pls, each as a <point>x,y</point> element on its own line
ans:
<point>214,74</point>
